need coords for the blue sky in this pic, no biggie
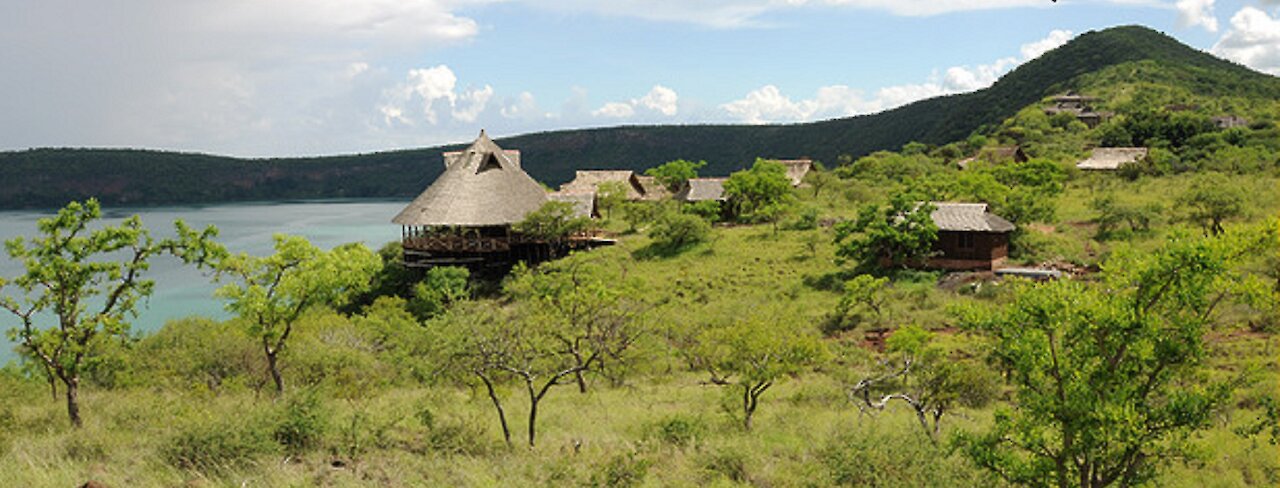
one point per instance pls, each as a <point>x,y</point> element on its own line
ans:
<point>305,77</point>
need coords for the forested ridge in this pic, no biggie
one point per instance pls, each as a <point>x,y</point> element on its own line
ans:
<point>51,177</point>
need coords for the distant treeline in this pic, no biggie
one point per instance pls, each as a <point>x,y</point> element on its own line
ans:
<point>51,177</point>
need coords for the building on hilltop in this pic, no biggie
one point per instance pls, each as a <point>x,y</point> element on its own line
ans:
<point>1080,106</point>
<point>465,216</point>
<point>969,237</point>
<point>1112,158</point>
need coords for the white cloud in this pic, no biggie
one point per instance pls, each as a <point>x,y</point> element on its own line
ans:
<point>768,103</point>
<point>616,110</point>
<point>660,99</point>
<point>1192,13</point>
<point>430,88</point>
<point>1253,40</point>
<point>472,103</point>
<point>525,106</point>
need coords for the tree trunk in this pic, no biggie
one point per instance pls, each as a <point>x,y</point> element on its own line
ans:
<point>748,407</point>
<point>577,375</point>
<point>533,413</point>
<point>73,401</point>
<point>273,367</point>
<point>497,405</point>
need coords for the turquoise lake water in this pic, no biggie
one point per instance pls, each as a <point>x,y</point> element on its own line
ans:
<point>183,291</point>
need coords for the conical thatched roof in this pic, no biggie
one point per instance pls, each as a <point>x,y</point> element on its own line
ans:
<point>481,187</point>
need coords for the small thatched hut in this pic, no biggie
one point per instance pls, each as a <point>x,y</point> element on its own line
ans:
<point>969,237</point>
<point>589,181</point>
<point>701,190</point>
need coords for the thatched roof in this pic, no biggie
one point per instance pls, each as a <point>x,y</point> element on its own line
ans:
<point>652,188</point>
<point>451,157</point>
<point>968,217</point>
<point>589,181</point>
<point>701,189</point>
<point>796,169</point>
<point>481,187</point>
<point>584,204</point>
<point>1110,158</point>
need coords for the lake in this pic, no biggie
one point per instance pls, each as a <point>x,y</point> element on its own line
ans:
<point>181,290</point>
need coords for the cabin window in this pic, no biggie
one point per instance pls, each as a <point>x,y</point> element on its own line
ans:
<point>964,241</point>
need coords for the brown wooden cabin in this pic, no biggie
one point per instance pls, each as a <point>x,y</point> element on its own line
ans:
<point>969,237</point>
<point>465,217</point>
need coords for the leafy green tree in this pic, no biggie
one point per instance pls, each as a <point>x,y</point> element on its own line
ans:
<point>1105,376</point>
<point>270,293</point>
<point>752,354</point>
<point>440,288</point>
<point>85,284</point>
<point>820,178</point>
<point>587,311</point>
<point>610,195</point>
<point>863,301</point>
<point>1211,200</point>
<point>921,375</point>
<point>902,232</point>
<point>760,193</point>
<point>676,230</point>
<point>636,214</point>
<point>553,221</point>
<point>672,174</point>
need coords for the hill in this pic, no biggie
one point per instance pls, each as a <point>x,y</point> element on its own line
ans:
<point>50,177</point>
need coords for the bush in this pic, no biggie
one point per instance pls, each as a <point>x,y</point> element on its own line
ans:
<point>213,445</point>
<point>728,463</point>
<point>301,423</point>
<point>626,469</point>
<point>679,430</point>
<point>676,231</point>
<point>459,436</point>
<point>903,458</point>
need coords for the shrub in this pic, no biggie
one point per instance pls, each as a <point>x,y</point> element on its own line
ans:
<point>904,458</point>
<point>676,230</point>
<point>679,430</point>
<point>728,463</point>
<point>459,436</point>
<point>82,448</point>
<point>217,444</point>
<point>301,423</point>
<point>626,469</point>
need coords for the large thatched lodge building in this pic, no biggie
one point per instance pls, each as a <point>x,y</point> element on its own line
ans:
<point>465,217</point>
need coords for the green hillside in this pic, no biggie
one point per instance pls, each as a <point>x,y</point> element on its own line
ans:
<point>50,177</point>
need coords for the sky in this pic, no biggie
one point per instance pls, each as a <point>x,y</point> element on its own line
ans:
<point>274,78</point>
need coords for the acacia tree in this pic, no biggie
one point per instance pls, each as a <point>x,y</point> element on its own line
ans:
<point>761,193</point>
<point>73,280</point>
<point>582,309</point>
<point>491,345</point>
<point>1211,200</point>
<point>1104,375</point>
<point>672,174</point>
<point>902,232</point>
<point>753,354</point>
<point>270,293</point>
<point>610,195</point>
<point>921,375</point>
